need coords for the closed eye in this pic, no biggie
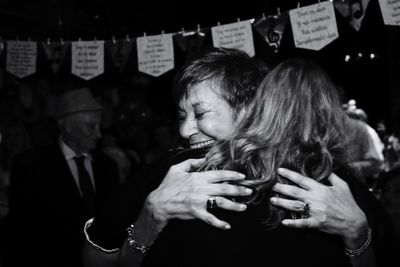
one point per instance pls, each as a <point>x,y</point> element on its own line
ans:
<point>199,115</point>
<point>181,118</point>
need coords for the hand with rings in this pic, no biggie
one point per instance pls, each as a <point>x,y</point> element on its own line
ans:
<point>187,195</point>
<point>331,209</point>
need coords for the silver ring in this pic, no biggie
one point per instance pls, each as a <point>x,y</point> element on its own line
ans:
<point>305,213</point>
<point>211,203</point>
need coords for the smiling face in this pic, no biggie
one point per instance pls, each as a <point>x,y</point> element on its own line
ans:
<point>205,116</point>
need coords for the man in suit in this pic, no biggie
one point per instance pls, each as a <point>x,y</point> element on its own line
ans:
<point>55,189</point>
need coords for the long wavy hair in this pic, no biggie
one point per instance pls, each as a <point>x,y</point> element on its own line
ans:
<point>295,121</point>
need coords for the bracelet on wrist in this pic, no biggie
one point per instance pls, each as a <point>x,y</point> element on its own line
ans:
<point>357,252</point>
<point>97,247</point>
<point>142,249</point>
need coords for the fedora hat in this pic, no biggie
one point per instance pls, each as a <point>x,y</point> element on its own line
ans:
<point>74,101</point>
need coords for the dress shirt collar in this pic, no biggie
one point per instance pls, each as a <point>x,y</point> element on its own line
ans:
<point>68,153</point>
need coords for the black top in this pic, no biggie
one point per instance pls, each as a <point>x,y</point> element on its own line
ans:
<point>195,243</point>
<point>247,243</point>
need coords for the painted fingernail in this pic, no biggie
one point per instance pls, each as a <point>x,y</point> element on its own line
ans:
<point>243,207</point>
<point>241,175</point>
<point>281,170</point>
<point>248,191</point>
<point>273,199</point>
<point>227,226</point>
<point>285,222</point>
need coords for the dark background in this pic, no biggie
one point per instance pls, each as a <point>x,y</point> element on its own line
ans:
<point>373,83</point>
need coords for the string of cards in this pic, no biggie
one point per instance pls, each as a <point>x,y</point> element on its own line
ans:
<point>313,27</point>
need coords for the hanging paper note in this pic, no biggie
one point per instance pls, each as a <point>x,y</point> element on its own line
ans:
<point>235,35</point>
<point>353,11</point>
<point>21,58</point>
<point>190,43</point>
<point>55,54</point>
<point>314,26</point>
<point>155,54</point>
<point>271,29</point>
<point>119,53</point>
<point>87,59</point>
<point>390,12</point>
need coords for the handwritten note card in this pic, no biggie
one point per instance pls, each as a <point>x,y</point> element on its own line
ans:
<point>234,35</point>
<point>119,52</point>
<point>390,11</point>
<point>314,26</point>
<point>155,54</point>
<point>55,54</point>
<point>21,58</point>
<point>353,11</point>
<point>87,59</point>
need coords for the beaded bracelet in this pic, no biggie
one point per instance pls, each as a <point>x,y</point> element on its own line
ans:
<point>132,242</point>
<point>357,252</point>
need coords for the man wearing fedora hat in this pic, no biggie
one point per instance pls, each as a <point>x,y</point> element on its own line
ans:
<point>56,189</point>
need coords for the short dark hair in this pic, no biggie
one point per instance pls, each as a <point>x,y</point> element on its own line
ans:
<point>237,74</point>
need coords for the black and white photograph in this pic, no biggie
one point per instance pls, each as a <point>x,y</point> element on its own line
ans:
<point>177,133</point>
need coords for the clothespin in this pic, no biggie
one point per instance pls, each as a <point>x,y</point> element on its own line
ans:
<point>144,34</point>
<point>182,31</point>
<point>199,32</point>
<point>238,19</point>
<point>218,23</point>
<point>113,39</point>
<point>95,39</point>
<point>298,4</point>
<point>263,16</point>
<point>162,32</point>
<point>48,41</point>
<point>127,38</point>
<point>79,39</point>
<point>62,41</point>
<point>278,11</point>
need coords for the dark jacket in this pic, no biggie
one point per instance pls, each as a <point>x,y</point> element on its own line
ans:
<point>46,214</point>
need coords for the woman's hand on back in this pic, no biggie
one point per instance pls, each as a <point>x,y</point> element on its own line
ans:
<point>331,209</point>
<point>183,194</point>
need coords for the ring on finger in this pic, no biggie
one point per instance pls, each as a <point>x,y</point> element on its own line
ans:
<point>211,203</point>
<point>305,213</point>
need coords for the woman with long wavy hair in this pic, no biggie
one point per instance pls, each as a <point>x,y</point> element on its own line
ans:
<point>295,122</point>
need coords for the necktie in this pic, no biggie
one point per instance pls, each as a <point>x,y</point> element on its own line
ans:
<point>86,186</point>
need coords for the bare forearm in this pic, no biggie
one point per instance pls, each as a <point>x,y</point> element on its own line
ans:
<point>146,230</point>
<point>147,226</point>
<point>355,232</point>
<point>358,238</point>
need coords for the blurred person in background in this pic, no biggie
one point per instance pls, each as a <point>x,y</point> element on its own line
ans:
<point>365,148</point>
<point>54,189</point>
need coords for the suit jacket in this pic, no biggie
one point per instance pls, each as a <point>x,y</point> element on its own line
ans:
<point>46,212</point>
